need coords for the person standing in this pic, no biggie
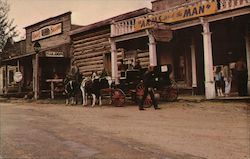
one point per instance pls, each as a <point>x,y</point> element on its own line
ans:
<point>138,65</point>
<point>148,81</point>
<point>241,73</point>
<point>227,74</point>
<point>218,81</point>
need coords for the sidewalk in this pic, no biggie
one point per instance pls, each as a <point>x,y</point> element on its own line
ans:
<point>200,98</point>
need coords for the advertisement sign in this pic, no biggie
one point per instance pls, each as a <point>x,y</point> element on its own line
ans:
<point>46,32</point>
<point>178,14</point>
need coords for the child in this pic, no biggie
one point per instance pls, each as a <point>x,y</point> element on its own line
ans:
<point>218,81</point>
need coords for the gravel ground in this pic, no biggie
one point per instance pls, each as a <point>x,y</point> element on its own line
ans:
<point>188,130</point>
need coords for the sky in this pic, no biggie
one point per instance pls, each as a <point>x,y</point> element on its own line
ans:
<point>84,12</point>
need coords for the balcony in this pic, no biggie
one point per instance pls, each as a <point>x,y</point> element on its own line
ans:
<point>232,4</point>
<point>182,12</point>
<point>123,27</point>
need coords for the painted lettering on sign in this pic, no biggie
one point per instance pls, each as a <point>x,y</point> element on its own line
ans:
<point>46,32</point>
<point>54,54</point>
<point>178,14</point>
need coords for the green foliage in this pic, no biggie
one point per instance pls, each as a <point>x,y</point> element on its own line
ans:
<point>7,30</point>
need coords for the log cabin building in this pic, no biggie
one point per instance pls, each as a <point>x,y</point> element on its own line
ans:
<point>91,44</point>
<point>53,59</point>
<point>193,36</point>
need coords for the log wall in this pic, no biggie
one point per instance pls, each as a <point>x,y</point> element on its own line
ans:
<point>89,49</point>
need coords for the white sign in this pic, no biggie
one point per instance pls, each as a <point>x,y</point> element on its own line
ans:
<point>54,54</point>
<point>46,32</point>
<point>164,68</point>
<point>18,76</point>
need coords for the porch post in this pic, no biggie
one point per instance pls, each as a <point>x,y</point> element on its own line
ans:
<point>247,39</point>
<point>19,83</point>
<point>152,50</point>
<point>1,80</point>
<point>193,59</point>
<point>114,69</point>
<point>208,61</point>
<point>6,79</point>
<point>35,75</point>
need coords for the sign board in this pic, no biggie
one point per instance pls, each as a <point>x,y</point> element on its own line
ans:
<point>46,32</point>
<point>54,54</point>
<point>193,10</point>
<point>164,68</point>
<point>18,76</point>
<point>162,33</point>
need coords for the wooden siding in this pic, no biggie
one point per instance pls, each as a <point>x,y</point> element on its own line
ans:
<point>89,50</point>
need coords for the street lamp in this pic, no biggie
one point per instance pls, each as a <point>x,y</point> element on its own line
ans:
<point>37,47</point>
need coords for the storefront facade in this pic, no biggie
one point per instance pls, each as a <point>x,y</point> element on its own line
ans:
<point>14,63</point>
<point>53,59</point>
<point>193,38</point>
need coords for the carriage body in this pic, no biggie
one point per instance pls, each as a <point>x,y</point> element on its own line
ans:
<point>130,85</point>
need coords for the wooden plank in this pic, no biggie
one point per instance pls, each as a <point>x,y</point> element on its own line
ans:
<point>143,54</point>
<point>89,63</point>
<point>87,35</point>
<point>91,38</point>
<point>90,54</point>
<point>93,43</point>
<point>89,59</point>
<point>92,67</point>
<point>92,46</point>
<point>97,45</point>
<point>88,72</point>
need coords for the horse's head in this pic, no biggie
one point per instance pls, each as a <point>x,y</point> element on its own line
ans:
<point>94,76</point>
<point>85,81</point>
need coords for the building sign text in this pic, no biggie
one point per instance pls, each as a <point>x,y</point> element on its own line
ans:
<point>178,14</point>
<point>46,32</point>
<point>54,54</point>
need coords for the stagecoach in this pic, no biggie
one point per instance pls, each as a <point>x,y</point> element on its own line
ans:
<point>131,87</point>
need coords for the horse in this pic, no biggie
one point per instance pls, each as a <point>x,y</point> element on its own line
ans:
<point>70,91</point>
<point>72,88</point>
<point>92,86</point>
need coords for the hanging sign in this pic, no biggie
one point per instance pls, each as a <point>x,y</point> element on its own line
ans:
<point>18,76</point>
<point>46,32</point>
<point>197,9</point>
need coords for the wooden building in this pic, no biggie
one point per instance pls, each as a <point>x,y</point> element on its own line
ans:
<point>53,60</point>
<point>91,44</point>
<point>10,65</point>
<point>193,36</point>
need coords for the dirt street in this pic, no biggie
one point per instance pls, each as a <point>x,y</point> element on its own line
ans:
<point>181,130</point>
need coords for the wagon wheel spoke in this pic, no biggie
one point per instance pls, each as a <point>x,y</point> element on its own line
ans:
<point>140,90</point>
<point>148,102</point>
<point>118,97</point>
<point>172,94</point>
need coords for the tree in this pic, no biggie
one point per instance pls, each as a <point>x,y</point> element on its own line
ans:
<point>7,30</point>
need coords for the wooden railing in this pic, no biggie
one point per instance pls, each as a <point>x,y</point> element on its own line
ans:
<point>128,26</point>
<point>123,27</point>
<point>232,4</point>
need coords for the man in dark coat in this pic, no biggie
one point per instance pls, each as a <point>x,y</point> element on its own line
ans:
<point>149,82</point>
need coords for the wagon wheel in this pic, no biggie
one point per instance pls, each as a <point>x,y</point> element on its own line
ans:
<point>139,94</point>
<point>170,93</point>
<point>118,97</point>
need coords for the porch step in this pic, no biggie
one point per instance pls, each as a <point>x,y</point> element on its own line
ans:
<point>185,91</point>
